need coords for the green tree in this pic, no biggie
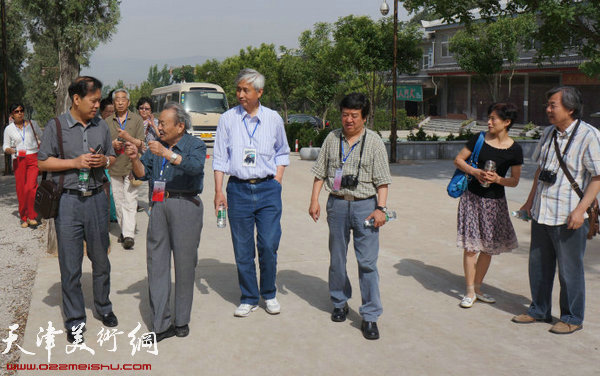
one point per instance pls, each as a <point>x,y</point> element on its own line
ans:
<point>185,73</point>
<point>158,78</point>
<point>365,49</point>
<point>16,54</point>
<point>487,49</point>
<point>562,25</point>
<point>76,27</point>
<point>39,75</point>
<point>323,80</point>
<point>289,76</point>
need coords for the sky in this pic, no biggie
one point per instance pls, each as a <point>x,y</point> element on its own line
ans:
<point>180,32</point>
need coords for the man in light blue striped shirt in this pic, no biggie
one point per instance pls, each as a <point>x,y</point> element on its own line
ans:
<point>251,147</point>
<point>560,225</point>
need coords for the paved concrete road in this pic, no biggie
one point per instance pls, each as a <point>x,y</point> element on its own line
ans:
<point>423,330</point>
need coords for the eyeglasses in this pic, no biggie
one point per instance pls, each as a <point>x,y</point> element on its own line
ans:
<point>18,111</point>
<point>144,109</point>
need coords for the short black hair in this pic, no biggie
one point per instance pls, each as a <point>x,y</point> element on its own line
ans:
<point>14,106</point>
<point>505,111</point>
<point>83,85</point>
<point>105,102</point>
<point>571,99</point>
<point>145,100</point>
<point>356,101</point>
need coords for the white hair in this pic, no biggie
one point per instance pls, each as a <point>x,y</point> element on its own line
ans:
<point>251,76</point>
<point>121,90</point>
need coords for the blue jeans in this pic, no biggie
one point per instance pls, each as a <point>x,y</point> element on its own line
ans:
<point>551,245</point>
<point>249,205</point>
<point>343,216</point>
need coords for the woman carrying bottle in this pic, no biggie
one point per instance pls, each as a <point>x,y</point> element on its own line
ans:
<point>21,140</point>
<point>484,225</point>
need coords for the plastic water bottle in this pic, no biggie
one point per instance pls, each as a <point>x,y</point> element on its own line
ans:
<point>222,216</point>
<point>84,177</point>
<point>390,215</point>
<point>521,214</point>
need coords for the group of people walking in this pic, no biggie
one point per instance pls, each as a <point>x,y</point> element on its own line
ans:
<point>251,148</point>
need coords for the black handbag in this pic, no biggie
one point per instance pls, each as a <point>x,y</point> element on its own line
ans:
<point>47,196</point>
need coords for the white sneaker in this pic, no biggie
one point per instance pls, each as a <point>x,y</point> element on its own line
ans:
<point>273,306</point>
<point>244,310</point>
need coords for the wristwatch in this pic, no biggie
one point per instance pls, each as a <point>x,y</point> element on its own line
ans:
<point>382,208</point>
<point>173,158</point>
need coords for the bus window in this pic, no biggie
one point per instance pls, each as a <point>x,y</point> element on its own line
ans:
<point>204,101</point>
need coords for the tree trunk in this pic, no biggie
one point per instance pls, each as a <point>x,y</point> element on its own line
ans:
<point>285,111</point>
<point>68,72</point>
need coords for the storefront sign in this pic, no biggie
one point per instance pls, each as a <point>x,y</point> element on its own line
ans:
<point>412,93</point>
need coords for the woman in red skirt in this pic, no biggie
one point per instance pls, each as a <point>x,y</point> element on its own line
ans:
<point>21,140</point>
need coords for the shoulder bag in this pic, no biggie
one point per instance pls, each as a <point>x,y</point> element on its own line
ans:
<point>593,210</point>
<point>460,180</point>
<point>47,196</point>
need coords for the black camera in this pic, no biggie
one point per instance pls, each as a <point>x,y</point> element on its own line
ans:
<point>349,181</point>
<point>547,176</point>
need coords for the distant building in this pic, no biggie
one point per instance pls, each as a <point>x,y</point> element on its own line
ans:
<point>448,91</point>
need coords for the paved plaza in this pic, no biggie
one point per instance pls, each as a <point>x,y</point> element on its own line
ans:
<point>423,330</point>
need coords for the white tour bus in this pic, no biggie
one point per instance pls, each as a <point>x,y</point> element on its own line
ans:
<point>203,101</point>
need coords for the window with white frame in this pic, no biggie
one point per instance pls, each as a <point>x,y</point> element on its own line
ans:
<point>445,45</point>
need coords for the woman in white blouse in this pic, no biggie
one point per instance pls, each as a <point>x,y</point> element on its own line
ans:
<point>21,140</point>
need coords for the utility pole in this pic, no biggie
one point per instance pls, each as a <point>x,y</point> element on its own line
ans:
<point>7,167</point>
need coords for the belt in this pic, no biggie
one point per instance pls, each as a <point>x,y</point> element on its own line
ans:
<point>190,196</point>
<point>87,193</point>
<point>350,197</point>
<point>252,181</point>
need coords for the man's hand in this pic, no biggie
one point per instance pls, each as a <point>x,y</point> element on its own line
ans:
<point>96,160</point>
<point>575,219</point>
<point>219,199</point>
<point>131,151</point>
<point>157,148</point>
<point>379,217</point>
<point>527,207</point>
<point>314,210</point>
<point>125,135</point>
<point>117,145</point>
<point>83,161</point>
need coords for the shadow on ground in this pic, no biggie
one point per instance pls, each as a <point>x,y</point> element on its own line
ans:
<point>436,279</point>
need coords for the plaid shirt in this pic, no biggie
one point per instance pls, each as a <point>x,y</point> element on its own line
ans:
<point>552,204</point>
<point>374,167</point>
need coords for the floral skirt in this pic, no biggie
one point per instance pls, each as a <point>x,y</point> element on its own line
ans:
<point>484,225</point>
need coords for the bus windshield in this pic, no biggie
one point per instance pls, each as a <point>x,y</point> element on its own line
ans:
<point>204,101</point>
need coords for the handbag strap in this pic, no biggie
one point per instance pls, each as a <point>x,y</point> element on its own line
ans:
<point>475,155</point>
<point>34,134</point>
<point>62,152</point>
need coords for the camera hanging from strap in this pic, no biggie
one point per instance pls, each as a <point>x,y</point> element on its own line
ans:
<point>362,148</point>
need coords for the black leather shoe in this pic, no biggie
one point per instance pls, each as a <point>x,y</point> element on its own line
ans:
<point>120,238</point>
<point>110,320</point>
<point>182,331</point>
<point>339,314</point>
<point>369,329</point>
<point>71,336</point>
<point>170,332</point>
<point>128,243</point>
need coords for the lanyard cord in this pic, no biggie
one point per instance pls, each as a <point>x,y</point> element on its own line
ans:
<point>362,148</point>
<point>247,131</point>
<point>122,125</point>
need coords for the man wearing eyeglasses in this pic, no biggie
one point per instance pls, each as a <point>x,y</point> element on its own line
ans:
<point>125,126</point>
<point>559,221</point>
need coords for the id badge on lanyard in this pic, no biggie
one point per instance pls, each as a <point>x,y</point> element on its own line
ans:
<point>337,180</point>
<point>160,185</point>
<point>249,156</point>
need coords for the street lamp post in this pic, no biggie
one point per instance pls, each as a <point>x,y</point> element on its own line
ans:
<point>393,136</point>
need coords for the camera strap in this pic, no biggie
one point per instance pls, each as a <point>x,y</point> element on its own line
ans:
<point>362,148</point>
<point>562,163</point>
